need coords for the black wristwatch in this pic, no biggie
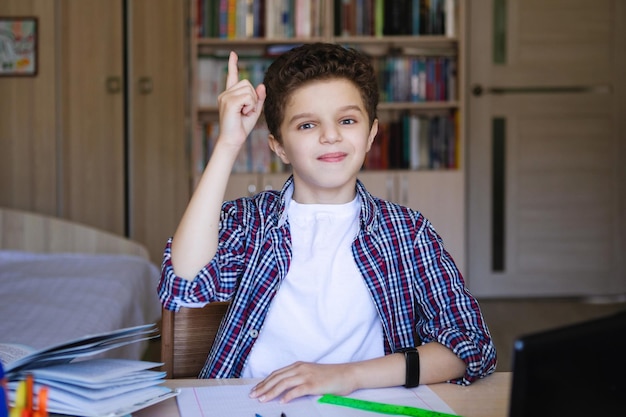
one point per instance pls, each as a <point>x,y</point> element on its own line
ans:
<point>412,359</point>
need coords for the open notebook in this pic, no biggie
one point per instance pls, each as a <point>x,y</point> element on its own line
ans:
<point>576,370</point>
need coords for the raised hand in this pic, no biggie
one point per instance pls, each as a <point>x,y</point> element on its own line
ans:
<point>195,240</point>
<point>240,105</point>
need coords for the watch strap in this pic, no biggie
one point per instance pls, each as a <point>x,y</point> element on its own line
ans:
<point>412,360</point>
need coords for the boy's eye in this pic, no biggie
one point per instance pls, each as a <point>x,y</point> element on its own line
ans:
<point>305,126</point>
<point>347,121</point>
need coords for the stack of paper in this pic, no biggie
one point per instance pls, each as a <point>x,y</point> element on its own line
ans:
<point>99,387</point>
<point>18,358</point>
<point>89,387</point>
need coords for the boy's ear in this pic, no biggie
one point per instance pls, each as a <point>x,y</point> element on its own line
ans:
<point>278,149</point>
<point>372,135</point>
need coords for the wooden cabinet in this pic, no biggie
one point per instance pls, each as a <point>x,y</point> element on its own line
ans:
<point>244,185</point>
<point>99,135</point>
<point>158,148</point>
<point>547,149</point>
<point>90,93</point>
<point>438,193</point>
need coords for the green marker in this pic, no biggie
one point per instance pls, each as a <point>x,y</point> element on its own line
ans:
<point>382,408</point>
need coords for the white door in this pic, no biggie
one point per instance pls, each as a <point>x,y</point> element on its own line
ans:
<point>546,147</point>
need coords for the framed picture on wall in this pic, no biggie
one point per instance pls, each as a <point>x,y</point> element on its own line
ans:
<point>18,46</point>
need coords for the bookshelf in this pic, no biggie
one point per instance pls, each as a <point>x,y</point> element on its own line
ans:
<point>419,61</point>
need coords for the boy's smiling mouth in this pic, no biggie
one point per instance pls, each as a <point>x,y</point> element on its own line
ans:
<point>332,157</point>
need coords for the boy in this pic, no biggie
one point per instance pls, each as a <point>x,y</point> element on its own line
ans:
<point>331,289</point>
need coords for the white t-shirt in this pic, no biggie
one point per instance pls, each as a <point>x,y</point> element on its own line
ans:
<point>323,311</point>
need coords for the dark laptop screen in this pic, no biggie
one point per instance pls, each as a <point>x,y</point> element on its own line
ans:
<point>577,370</point>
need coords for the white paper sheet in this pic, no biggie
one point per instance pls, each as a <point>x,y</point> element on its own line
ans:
<point>233,401</point>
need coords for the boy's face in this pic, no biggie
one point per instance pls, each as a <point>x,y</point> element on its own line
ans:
<point>326,135</point>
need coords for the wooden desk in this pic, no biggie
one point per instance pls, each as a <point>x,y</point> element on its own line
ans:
<point>488,397</point>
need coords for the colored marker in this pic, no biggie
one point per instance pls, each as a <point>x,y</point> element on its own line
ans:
<point>20,400</point>
<point>30,394</point>
<point>42,403</point>
<point>4,394</point>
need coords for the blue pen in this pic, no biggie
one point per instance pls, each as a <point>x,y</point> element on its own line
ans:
<point>4,402</point>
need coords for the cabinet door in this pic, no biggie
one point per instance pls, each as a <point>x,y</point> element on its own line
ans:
<point>381,184</point>
<point>92,113</point>
<point>158,163</point>
<point>547,149</point>
<point>273,181</point>
<point>247,185</point>
<point>241,185</point>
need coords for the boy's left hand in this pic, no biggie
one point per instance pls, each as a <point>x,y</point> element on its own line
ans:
<point>304,378</point>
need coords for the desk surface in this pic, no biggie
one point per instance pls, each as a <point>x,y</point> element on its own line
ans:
<point>487,397</point>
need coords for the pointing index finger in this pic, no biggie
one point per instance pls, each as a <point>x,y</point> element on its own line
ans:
<point>233,73</point>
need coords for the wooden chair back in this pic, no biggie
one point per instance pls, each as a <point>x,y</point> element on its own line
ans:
<point>187,337</point>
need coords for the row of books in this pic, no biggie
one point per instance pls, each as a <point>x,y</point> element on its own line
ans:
<point>416,142</point>
<point>240,19</point>
<point>416,78</point>
<point>255,156</point>
<point>409,142</point>
<point>212,71</point>
<point>398,17</point>
<point>401,78</point>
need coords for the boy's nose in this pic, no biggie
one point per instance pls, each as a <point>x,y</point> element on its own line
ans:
<point>330,135</point>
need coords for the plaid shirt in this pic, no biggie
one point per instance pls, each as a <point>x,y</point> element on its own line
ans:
<point>417,289</point>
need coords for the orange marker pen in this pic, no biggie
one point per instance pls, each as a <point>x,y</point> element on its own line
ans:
<point>30,393</point>
<point>42,402</point>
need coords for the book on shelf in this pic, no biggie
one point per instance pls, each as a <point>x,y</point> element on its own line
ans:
<point>275,19</point>
<point>398,17</point>
<point>82,385</point>
<point>412,141</point>
<point>255,155</point>
<point>416,78</point>
<point>394,18</point>
<point>212,71</point>
<point>244,19</point>
<point>416,142</point>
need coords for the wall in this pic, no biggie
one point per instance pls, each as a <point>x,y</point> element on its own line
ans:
<point>99,136</point>
<point>28,126</point>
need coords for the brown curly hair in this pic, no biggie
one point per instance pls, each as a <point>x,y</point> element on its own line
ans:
<point>312,62</point>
